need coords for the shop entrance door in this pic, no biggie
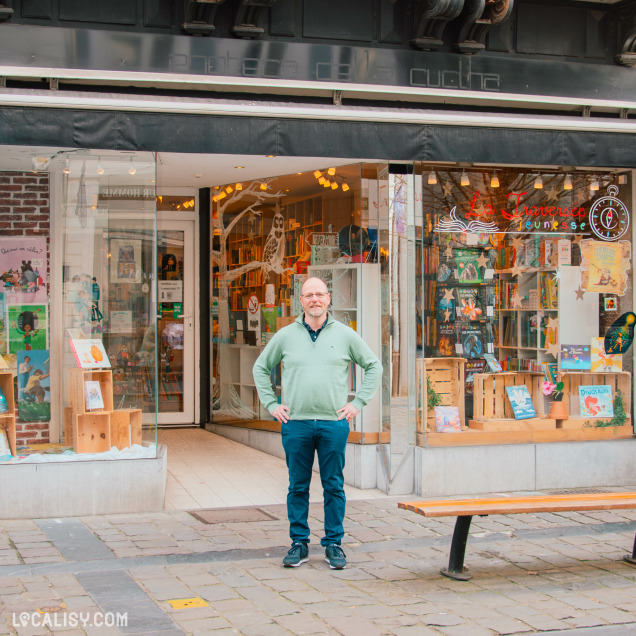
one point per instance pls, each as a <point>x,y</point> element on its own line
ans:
<point>175,323</point>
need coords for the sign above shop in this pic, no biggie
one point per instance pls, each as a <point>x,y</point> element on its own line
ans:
<point>128,192</point>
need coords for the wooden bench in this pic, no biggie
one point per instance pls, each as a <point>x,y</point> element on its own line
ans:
<point>465,509</point>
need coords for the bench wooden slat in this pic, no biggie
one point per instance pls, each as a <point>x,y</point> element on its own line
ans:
<point>514,505</point>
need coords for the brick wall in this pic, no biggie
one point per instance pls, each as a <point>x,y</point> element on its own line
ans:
<point>25,211</point>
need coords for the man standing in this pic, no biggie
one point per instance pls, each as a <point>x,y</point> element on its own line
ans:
<point>316,353</point>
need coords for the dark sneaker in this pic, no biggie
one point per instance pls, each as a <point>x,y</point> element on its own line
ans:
<point>298,553</point>
<point>335,557</point>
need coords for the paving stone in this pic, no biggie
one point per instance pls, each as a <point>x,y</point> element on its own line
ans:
<point>196,626</point>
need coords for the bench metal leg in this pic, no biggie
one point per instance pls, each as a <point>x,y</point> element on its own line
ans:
<point>631,559</point>
<point>455,568</point>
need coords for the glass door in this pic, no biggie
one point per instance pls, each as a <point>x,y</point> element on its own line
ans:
<point>175,322</point>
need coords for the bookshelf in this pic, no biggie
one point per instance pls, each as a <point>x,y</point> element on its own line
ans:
<point>528,318</point>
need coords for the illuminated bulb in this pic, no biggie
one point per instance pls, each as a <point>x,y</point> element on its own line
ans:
<point>238,187</point>
<point>100,169</point>
<point>229,189</point>
<point>331,171</point>
<point>317,174</point>
<point>567,182</point>
<point>214,198</point>
<point>432,178</point>
<point>263,186</point>
<point>594,185</point>
<point>131,167</point>
<point>538,183</point>
<point>326,184</point>
<point>334,186</point>
<point>345,187</point>
<point>67,167</point>
<point>322,180</point>
<point>494,181</point>
<point>221,195</point>
<point>465,181</point>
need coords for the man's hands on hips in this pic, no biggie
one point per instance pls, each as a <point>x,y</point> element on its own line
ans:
<point>281,413</point>
<point>348,411</point>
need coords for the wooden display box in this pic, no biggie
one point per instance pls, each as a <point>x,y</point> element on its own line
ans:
<point>7,419</point>
<point>125,428</point>
<point>491,407</point>
<point>91,432</point>
<point>446,378</point>
<point>618,380</point>
<point>76,380</point>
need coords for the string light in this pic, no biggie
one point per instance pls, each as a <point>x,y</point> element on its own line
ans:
<point>331,171</point>
<point>229,189</point>
<point>238,187</point>
<point>317,174</point>
<point>263,186</point>
<point>345,186</point>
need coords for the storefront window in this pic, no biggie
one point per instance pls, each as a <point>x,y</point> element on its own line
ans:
<point>527,305</point>
<point>268,236</point>
<point>109,309</point>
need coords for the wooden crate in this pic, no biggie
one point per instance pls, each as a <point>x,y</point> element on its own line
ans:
<point>618,380</point>
<point>7,419</point>
<point>125,427</point>
<point>446,378</point>
<point>91,432</point>
<point>68,426</point>
<point>491,407</point>
<point>76,379</point>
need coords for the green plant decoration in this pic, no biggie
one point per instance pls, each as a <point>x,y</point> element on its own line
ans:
<point>433,398</point>
<point>619,414</point>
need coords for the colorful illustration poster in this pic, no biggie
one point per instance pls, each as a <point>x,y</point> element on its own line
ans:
<point>34,387</point>
<point>26,328</point>
<point>23,265</point>
<point>601,361</point>
<point>620,335</point>
<point>447,419</point>
<point>575,357</point>
<point>596,401</point>
<point>125,261</point>
<point>468,271</point>
<point>3,325</point>
<point>521,402</point>
<point>604,266</point>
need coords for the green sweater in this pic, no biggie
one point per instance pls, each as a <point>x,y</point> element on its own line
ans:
<point>315,375</point>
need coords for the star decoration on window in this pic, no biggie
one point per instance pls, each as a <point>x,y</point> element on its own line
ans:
<point>448,294</point>
<point>577,239</point>
<point>556,277</point>
<point>447,315</point>
<point>552,194</point>
<point>483,260</point>
<point>579,293</point>
<point>448,252</point>
<point>447,188</point>
<point>516,269</point>
<point>516,300</point>
<point>553,349</point>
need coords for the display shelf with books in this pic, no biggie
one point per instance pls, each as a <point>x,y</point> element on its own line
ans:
<point>7,412</point>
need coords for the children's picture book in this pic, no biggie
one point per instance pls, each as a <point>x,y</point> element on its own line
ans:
<point>492,362</point>
<point>93,395</point>
<point>472,341</point>
<point>575,357</point>
<point>604,362</point>
<point>4,407</point>
<point>469,305</point>
<point>90,353</point>
<point>447,419</point>
<point>468,271</point>
<point>521,402</point>
<point>550,370</point>
<point>444,272</point>
<point>446,340</point>
<point>604,266</point>
<point>3,363</point>
<point>596,401</point>
<point>471,368</point>
<point>444,305</point>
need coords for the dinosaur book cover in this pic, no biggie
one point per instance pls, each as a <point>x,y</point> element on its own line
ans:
<point>596,401</point>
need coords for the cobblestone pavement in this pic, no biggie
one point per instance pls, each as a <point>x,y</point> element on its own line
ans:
<point>169,573</point>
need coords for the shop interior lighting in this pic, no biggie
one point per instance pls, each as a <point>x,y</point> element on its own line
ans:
<point>465,181</point>
<point>100,168</point>
<point>432,178</point>
<point>263,186</point>
<point>239,167</point>
<point>345,186</point>
<point>538,182</point>
<point>331,171</point>
<point>317,174</point>
<point>567,182</point>
<point>67,167</point>
<point>334,185</point>
<point>494,181</point>
<point>229,189</point>
<point>322,180</point>
<point>131,167</point>
<point>594,185</point>
<point>270,156</point>
<point>221,195</point>
<point>238,187</point>
<point>326,184</point>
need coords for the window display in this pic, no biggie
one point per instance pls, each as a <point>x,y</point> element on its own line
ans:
<point>531,268</point>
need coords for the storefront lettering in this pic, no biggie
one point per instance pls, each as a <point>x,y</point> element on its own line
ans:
<point>463,78</point>
<point>522,212</point>
<point>131,192</point>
